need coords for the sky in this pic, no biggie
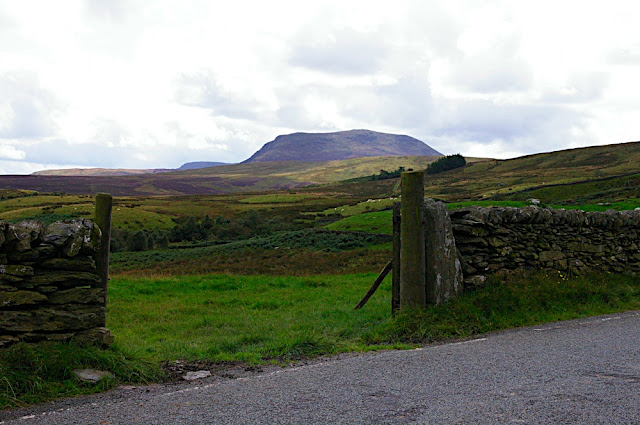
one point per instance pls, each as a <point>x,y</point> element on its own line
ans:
<point>155,84</point>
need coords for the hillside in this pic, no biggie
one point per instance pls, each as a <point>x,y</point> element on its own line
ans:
<point>215,180</point>
<point>507,179</point>
<point>338,146</point>
<point>479,179</point>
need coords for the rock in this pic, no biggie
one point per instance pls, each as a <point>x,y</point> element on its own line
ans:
<point>92,375</point>
<point>91,242</point>
<point>20,298</point>
<point>66,278</point>
<point>13,280</point>
<point>475,281</point>
<point>73,235</point>
<point>3,229</point>
<point>85,264</point>
<point>52,319</point>
<point>7,288</point>
<point>36,254</point>
<point>534,201</point>
<point>550,256</point>
<point>27,231</point>
<point>78,295</point>
<point>7,340</point>
<point>47,289</point>
<point>443,268</point>
<point>16,270</point>
<point>98,336</point>
<point>199,374</point>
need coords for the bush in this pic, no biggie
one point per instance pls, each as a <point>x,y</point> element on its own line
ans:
<point>446,163</point>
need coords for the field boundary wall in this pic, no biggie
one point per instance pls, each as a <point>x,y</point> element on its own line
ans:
<point>500,239</point>
<point>50,289</point>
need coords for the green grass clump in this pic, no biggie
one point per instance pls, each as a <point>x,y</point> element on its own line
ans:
<point>524,300</point>
<point>35,373</point>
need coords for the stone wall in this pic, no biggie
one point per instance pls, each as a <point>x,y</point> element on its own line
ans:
<point>492,240</point>
<point>49,287</point>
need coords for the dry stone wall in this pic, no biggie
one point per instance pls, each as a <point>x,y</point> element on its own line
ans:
<point>492,240</point>
<point>49,287</point>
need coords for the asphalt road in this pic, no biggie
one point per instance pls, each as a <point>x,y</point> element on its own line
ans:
<point>578,372</point>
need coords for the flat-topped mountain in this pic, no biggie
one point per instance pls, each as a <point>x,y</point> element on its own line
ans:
<point>340,145</point>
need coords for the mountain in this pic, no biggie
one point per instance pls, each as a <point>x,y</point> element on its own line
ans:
<point>102,172</point>
<point>200,164</point>
<point>340,145</point>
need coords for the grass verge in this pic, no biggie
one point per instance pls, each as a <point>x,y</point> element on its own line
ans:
<point>35,373</point>
<point>514,301</point>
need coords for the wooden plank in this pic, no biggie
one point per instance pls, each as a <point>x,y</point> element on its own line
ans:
<point>376,284</point>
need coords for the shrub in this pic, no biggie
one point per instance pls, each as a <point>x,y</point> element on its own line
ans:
<point>445,163</point>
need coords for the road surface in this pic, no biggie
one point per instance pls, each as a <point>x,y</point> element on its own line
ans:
<point>578,372</point>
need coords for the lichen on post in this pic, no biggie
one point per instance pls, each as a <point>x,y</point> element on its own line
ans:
<point>412,247</point>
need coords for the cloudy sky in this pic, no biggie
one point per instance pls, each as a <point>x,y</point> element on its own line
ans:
<point>150,84</point>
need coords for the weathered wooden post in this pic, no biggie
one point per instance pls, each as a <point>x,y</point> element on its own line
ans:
<point>412,247</point>
<point>395,281</point>
<point>102,218</point>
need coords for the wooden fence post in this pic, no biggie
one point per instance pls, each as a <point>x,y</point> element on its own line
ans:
<point>412,254</point>
<point>102,218</point>
<point>395,281</point>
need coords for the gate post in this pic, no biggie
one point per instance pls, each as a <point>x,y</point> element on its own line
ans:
<point>395,281</point>
<point>102,218</point>
<point>412,246</point>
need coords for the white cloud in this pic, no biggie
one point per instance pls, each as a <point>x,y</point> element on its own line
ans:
<point>10,152</point>
<point>152,85</point>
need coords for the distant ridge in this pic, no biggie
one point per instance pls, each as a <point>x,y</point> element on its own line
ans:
<point>101,172</point>
<point>200,164</point>
<point>340,145</point>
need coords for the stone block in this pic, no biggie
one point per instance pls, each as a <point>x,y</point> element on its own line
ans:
<point>66,279</point>
<point>52,319</point>
<point>545,256</point>
<point>99,336</point>
<point>78,296</point>
<point>39,253</point>
<point>475,281</point>
<point>27,232</point>
<point>443,269</point>
<point>20,298</point>
<point>80,263</point>
<point>7,288</point>
<point>72,236</point>
<point>16,270</point>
